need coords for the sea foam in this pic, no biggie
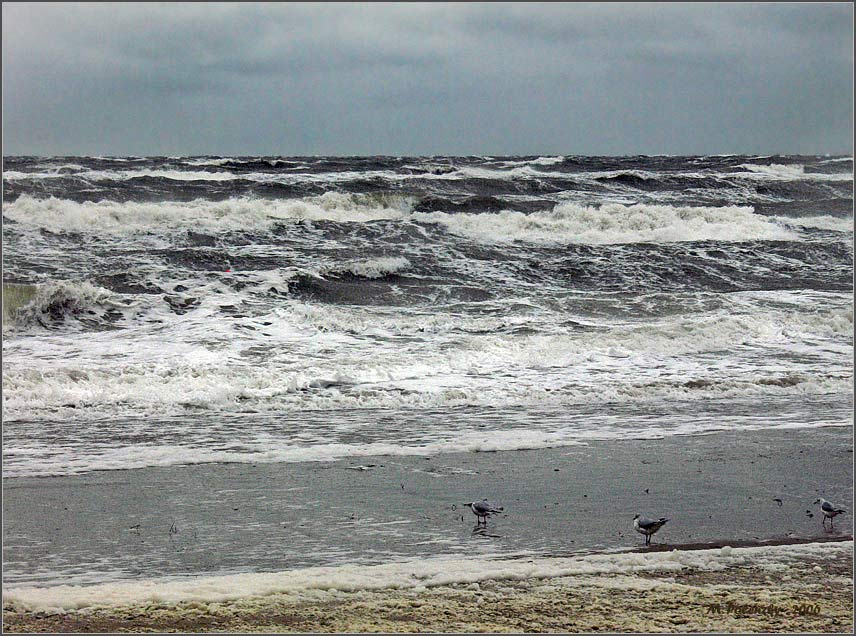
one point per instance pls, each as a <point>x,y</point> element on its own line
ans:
<point>305,584</point>
<point>788,172</point>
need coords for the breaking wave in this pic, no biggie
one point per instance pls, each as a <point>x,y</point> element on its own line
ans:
<point>564,223</point>
<point>229,215</point>
<point>51,304</point>
<point>614,223</point>
<point>464,368</point>
<point>788,172</point>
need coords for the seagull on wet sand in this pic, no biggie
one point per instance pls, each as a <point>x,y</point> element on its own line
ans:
<point>482,510</point>
<point>829,510</point>
<point>646,526</point>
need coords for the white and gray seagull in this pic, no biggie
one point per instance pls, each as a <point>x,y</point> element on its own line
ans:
<point>829,510</point>
<point>482,510</point>
<point>646,526</point>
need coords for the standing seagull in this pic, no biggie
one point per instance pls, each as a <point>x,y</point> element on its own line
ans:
<point>829,511</point>
<point>646,526</point>
<point>482,510</point>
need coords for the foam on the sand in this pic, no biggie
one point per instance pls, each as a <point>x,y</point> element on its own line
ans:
<point>304,584</point>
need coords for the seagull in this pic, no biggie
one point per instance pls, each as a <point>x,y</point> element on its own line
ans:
<point>482,510</point>
<point>646,526</point>
<point>829,511</point>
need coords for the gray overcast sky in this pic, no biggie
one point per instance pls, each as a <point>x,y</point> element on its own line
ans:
<point>417,79</point>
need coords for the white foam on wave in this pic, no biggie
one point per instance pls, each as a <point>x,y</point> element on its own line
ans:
<point>645,175</point>
<point>521,170</point>
<point>307,357</point>
<point>124,175</point>
<point>792,171</point>
<point>206,161</point>
<point>717,332</point>
<point>312,358</point>
<point>50,172</point>
<point>541,372</point>
<point>59,299</point>
<point>221,161</point>
<point>566,223</point>
<point>614,223</point>
<point>232,214</point>
<point>393,323</point>
<point>372,267</point>
<point>321,583</point>
<point>540,161</point>
<point>503,170</point>
<point>787,172</point>
<point>15,175</point>
<point>174,175</point>
<point>831,223</point>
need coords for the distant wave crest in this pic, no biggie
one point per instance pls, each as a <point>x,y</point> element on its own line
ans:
<point>615,223</point>
<point>789,172</point>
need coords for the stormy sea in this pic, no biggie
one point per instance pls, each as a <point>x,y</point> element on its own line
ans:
<point>220,366</point>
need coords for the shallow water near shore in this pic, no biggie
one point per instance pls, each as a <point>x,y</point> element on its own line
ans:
<point>218,519</point>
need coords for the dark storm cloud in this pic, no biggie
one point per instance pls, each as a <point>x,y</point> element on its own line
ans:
<point>366,78</point>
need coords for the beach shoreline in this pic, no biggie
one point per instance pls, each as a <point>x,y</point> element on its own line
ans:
<point>797,587</point>
<point>383,544</point>
<point>210,519</point>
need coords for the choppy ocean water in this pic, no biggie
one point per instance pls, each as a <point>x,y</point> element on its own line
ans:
<point>172,310</point>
